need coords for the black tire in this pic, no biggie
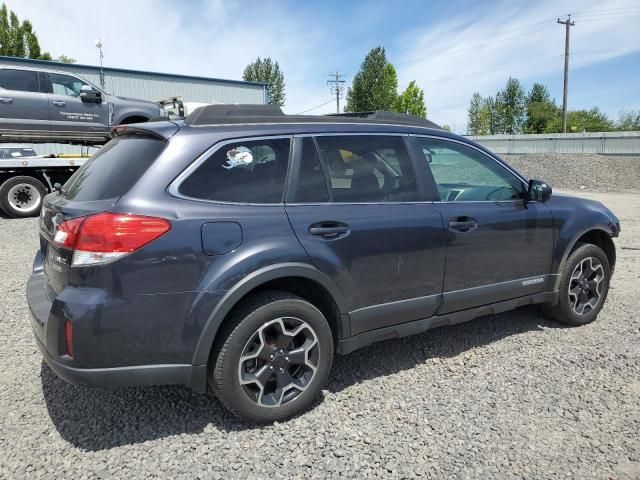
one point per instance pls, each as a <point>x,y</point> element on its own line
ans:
<point>225,368</point>
<point>12,196</point>
<point>564,311</point>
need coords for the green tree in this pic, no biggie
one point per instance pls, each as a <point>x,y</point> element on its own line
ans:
<point>375,85</point>
<point>588,121</point>
<point>490,115</point>
<point>541,110</point>
<point>510,105</point>
<point>628,120</point>
<point>19,39</point>
<point>65,59</point>
<point>477,120</point>
<point>267,71</point>
<point>411,101</point>
<point>5,39</point>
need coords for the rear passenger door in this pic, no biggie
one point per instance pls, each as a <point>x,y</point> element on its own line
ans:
<point>355,206</point>
<point>498,245</point>
<point>22,105</point>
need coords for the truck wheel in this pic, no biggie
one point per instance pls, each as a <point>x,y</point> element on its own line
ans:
<point>22,196</point>
<point>584,285</point>
<point>273,358</point>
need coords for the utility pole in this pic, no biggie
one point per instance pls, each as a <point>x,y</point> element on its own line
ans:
<point>336,87</point>
<point>567,24</point>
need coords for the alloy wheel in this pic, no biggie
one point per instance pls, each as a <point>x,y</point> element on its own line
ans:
<point>279,361</point>
<point>585,285</point>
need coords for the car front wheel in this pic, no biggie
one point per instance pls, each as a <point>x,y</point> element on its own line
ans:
<point>584,285</point>
<point>273,359</point>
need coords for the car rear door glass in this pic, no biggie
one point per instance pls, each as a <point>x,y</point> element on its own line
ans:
<point>463,173</point>
<point>114,169</point>
<point>310,185</point>
<point>246,171</point>
<point>19,80</point>
<point>368,168</point>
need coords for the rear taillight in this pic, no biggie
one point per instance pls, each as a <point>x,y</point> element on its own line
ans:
<point>104,237</point>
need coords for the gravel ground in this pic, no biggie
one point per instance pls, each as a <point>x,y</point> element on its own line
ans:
<point>593,173</point>
<point>509,396</point>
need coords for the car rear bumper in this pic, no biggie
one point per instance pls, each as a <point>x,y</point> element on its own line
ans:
<point>162,374</point>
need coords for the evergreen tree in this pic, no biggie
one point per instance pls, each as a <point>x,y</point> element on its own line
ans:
<point>267,71</point>
<point>411,101</point>
<point>19,40</point>
<point>375,85</point>
<point>541,110</point>
<point>511,107</point>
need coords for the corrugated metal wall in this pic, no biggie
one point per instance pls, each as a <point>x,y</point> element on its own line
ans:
<point>155,86</point>
<point>604,143</point>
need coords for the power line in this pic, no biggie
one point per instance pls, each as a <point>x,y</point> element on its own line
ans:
<point>317,106</point>
<point>337,86</point>
<point>567,24</point>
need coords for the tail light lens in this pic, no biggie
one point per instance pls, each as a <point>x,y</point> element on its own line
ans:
<point>68,338</point>
<point>105,237</point>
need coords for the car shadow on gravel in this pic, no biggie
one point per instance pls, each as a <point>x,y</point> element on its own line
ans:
<point>96,419</point>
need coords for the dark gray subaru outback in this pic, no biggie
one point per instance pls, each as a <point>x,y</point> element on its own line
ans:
<point>239,249</point>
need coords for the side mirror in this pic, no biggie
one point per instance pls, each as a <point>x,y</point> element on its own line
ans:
<point>539,191</point>
<point>89,94</point>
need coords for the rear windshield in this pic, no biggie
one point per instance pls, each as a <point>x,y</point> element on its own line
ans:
<point>114,169</point>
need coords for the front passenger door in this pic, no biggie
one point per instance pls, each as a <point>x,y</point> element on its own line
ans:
<point>68,112</point>
<point>498,246</point>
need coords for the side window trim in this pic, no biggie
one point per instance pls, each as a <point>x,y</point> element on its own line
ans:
<point>293,175</point>
<point>515,174</point>
<point>174,186</point>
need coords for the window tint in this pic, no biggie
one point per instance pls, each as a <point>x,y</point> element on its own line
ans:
<point>20,80</point>
<point>368,168</point>
<point>66,85</point>
<point>310,186</point>
<point>465,174</point>
<point>114,169</point>
<point>248,171</point>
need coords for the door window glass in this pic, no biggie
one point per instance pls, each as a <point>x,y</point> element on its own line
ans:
<point>463,173</point>
<point>66,85</point>
<point>310,186</point>
<point>19,80</point>
<point>368,168</point>
<point>247,171</point>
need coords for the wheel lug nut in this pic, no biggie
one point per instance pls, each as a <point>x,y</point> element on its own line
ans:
<point>281,351</point>
<point>271,357</point>
<point>281,370</point>
<point>286,358</point>
<point>270,367</point>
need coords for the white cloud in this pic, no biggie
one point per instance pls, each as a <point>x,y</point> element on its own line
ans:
<point>478,50</point>
<point>218,38</point>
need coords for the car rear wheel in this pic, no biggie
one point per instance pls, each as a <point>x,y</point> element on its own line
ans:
<point>273,359</point>
<point>584,285</point>
<point>22,196</point>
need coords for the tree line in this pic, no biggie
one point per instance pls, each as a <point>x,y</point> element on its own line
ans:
<point>512,110</point>
<point>18,39</point>
<point>374,87</point>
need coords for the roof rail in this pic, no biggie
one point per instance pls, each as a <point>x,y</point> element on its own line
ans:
<point>395,117</point>
<point>211,114</point>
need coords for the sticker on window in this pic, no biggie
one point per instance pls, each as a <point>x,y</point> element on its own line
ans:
<point>238,157</point>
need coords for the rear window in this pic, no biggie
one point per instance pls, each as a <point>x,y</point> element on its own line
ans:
<point>247,171</point>
<point>19,80</point>
<point>114,169</point>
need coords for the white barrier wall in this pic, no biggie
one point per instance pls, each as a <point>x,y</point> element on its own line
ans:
<point>605,143</point>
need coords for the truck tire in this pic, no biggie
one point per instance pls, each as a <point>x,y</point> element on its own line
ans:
<point>22,196</point>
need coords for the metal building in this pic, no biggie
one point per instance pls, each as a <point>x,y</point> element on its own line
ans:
<point>152,86</point>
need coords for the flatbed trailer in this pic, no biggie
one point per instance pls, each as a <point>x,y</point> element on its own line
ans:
<point>24,181</point>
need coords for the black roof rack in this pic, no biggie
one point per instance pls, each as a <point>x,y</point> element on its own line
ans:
<point>392,117</point>
<point>239,114</point>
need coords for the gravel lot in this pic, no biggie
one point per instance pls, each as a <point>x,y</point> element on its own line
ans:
<point>510,396</point>
<point>593,173</point>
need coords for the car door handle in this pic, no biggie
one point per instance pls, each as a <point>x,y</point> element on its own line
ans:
<point>329,229</point>
<point>6,100</point>
<point>463,225</point>
<point>58,103</point>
